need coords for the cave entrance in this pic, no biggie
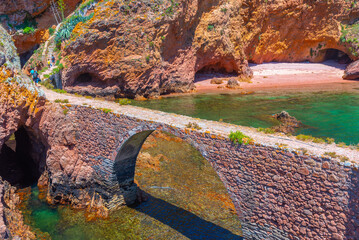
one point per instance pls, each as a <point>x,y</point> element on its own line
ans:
<point>83,78</point>
<point>24,57</point>
<point>336,55</point>
<point>19,160</point>
<point>217,70</point>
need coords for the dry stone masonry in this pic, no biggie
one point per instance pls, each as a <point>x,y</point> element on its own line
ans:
<point>278,194</point>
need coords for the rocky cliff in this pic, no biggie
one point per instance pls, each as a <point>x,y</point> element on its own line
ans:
<point>297,30</point>
<point>132,48</point>
<point>16,15</point>
<point>135,48</point>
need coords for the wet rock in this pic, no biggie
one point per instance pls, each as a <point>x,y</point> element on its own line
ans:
<point>288,123</point>
<point>352,71</point>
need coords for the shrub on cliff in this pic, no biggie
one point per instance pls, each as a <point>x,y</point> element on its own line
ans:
<point>239,138</point>
<point>28,30</point>
<point>68,26</point>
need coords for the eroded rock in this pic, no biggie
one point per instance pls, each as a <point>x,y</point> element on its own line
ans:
<point>352,71</point>
<point>288,123</point>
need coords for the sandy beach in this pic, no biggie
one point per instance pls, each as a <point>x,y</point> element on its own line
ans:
<point>279,76</point>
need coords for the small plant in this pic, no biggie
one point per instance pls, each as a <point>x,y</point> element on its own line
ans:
<point>193,125</point>
<point>331,154</point>
<point>210,27</point>
<point>47,84</point>
<point>123,101</point>
<point>266,130</point>
<point>62,7</point>
<point>28,30</point>
<point>224,10</point>
<point>303,137</point>
<point>341,144</point>
<point>239,138</point>
<point>59,91</point>
<point>148,58</point>
<point>61,101</point>
<point>303,150</point>
<point>65,111</point>
<point>105,110</point>
<point>68,26</point>
<point>51,31</point>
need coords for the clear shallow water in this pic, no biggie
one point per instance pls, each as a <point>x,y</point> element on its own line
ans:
<point>187,200</point>
<point>325,114</point>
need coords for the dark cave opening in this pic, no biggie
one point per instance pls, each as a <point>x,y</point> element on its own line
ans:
<point>84,78</point>
<point>216,70</point>
<point>336,55</point>
<point>20,160</point>
<point>24,57</point>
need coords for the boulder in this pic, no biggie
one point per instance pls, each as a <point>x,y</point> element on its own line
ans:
<point>233,83</point>
<point>288,123</point>
<point>352,71</point>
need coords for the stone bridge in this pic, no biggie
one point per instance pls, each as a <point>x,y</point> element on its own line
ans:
<point>87,156</point>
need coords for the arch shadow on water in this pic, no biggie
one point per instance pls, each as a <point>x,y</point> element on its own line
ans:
<point>183,221</point>
<point>179,219</point>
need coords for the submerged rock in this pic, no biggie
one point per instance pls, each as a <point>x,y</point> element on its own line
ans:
<point>288,123</point>
<point>352,71</point>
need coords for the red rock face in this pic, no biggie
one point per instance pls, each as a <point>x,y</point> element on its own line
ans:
<point>152,50</point>
<point>148,50</point>
<point>295,30</point>
<point>29,13</point>
<point>352,71</point>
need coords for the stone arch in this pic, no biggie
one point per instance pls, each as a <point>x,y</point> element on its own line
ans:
<point>126,157</point>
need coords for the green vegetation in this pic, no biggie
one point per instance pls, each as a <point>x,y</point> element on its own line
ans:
<point>47,84</point>
<point>239,138</point>
<point>61,101</point>
<point>303,137</point>
<point>193,125</point>
<point>86,4</point>
<point>224,10</point>
<point>68,26</point>
<point>65,111</point>
<point>266,130</point>
<point>123,101</point>
<point>170,10</point>
<point>51,31</point>
<point>29,24</point>
<point>28,30</point>
<point>350,34</point>
<point>331,154</point>
<point>62,8</point>
<point>210,27</point>
<point>105,110</point>
<point>334,155</point>
<point>59,90</point>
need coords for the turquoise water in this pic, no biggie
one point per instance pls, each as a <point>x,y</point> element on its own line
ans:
<point>324,114</point>
<point>178,207</point>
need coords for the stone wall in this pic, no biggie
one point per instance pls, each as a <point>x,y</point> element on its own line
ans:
<point>277,194</point>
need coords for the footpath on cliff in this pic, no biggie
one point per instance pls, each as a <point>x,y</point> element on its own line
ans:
<point>218,128</point>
